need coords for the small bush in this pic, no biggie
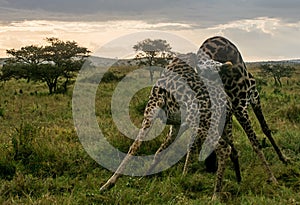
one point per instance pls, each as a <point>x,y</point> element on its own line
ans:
<point>277,91</point>
<point>260,82</point>
<point>109,77</point>
<point>7,169</point>
<point>140,108</point>
<point>22,141</point>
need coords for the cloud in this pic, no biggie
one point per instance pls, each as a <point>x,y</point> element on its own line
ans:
<point>198,13</point>
<point>261,28</point>
<point>89,34</point>
<point>263,38</point>
<point>262,24</point>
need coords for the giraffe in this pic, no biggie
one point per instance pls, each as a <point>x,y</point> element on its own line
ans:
<point>240,86</point>
<point>181,92</point>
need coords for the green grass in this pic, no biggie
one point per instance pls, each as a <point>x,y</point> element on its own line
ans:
<point>43,162</point>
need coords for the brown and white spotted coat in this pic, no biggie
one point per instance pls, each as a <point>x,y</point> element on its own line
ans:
<point>181,92</point>
<point>240,86</point>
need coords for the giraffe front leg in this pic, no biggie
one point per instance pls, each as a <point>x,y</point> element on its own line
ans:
<point>264,126</point>
<point>173,132</point>
<point>192,121</point>
<point>133,149</point>
<point>187,160</point>
<point>188,155</point>
<point>223,151</point>
<point>243,118</point>
<point>149,117</point>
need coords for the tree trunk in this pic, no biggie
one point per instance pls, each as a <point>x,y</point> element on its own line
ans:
<point>279,81</point>
<point>65,85</point>
<point>50,87</point>
<point>275,81</point>
<point>151,75</point>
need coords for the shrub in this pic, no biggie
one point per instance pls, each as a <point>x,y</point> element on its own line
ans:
<point>260,82</point>
<point>22,141</point>
<point>109,76</point>
<point>7,169</point>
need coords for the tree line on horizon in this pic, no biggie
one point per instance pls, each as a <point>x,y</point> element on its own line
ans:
<point>57,63</point>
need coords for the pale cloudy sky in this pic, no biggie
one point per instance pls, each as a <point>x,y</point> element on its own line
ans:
<point>262,29</point>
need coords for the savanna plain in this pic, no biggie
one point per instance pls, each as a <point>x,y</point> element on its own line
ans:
<point>43,162</point>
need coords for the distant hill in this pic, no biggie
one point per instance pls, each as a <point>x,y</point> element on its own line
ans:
<point>290,62</point>
<point>100,61</point>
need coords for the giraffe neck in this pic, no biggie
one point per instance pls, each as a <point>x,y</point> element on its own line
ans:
<point>205,63</point>
<point>221,49</point>
<point>203,57</point>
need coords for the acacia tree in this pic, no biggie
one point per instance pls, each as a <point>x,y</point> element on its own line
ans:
<point>153,52</point>
<point>24,62</point>
<point>277,71</point>
<point>67,56</point>
<point>59,60</point>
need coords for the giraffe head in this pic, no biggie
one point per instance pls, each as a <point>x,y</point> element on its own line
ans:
<point>212,69</point>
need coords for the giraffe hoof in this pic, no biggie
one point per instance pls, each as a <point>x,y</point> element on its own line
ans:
<point>106,186</point>
<point>273,180</point>
<point>215,197</point>
<point>286,160</point>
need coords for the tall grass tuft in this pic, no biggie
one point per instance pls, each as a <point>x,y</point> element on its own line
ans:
<point>292,113</point>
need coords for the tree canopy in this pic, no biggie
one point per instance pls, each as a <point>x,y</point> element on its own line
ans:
<point>155,52</point>
<point>277,71</point>
<point>59,60</point>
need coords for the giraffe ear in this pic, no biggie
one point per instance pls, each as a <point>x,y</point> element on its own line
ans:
<point>225,68</point>
<point>228,63</point>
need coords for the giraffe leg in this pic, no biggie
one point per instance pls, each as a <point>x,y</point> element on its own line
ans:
<point>133,149</point>
<point>234,153</point>
<point>259,114</point>
<point>187,159</point>
<point>223,151</point>
<point>211,163</point>
<point>235,160</point>
<point>243,118</point>
<point>193,122</point>
<point>173,132</point>
<point>149,114</point>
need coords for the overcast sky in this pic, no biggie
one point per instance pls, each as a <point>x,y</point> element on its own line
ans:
<point>261,29</point>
